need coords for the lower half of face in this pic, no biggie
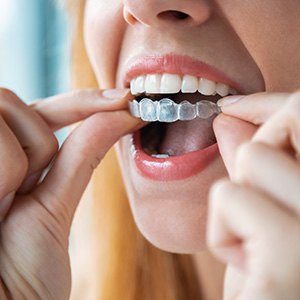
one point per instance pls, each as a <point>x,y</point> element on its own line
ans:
<point>171,214</point>
<point>168,169</point>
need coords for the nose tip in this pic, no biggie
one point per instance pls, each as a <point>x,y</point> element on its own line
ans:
<point>158,13</point>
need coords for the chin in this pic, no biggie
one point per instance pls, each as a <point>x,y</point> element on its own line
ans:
<point>171,215</point>
<point>172,227</point>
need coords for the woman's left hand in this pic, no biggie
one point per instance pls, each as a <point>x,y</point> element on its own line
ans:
<point>254,218</point>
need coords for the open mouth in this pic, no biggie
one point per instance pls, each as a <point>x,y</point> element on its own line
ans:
<point>161,139</point>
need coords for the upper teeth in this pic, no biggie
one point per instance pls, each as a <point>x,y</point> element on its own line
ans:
<point>173,83</point>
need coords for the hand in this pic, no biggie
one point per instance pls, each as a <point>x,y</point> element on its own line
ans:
<point>36,216</point>
<point>254,218</point>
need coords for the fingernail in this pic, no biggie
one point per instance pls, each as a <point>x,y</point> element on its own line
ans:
<point>229,100</point>
<point>115,94</point>
<point>5,204</point>
<point>29,183</point>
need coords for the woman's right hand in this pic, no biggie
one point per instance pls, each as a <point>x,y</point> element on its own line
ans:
<point>35,218</point>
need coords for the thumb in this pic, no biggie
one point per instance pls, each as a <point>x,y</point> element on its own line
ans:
<point>230,133</point>
<point>81,153</point>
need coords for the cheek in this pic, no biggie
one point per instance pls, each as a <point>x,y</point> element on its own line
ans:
<point>172,218</point>
<point>104,27</point>
<point>266,28</point>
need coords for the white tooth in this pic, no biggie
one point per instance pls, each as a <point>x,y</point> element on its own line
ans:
<point>189,84</point>
<point>206,87</point>
<point>152,83</point>
<point>186,111</point>
<point>160,155</point>
<point>170,84</point>
<point>140,84</point>
<point>132,87</point>
<point>167,110</point>
<point>222,89</point>
<point>148,110</point>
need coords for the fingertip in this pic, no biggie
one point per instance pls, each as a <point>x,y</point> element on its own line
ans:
<point>230,132</point>
<point>116,94</point>
<point>218,187</point>
<point>254,108</point>
<point>229,100</point>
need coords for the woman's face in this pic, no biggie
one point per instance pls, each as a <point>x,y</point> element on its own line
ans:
<point>251,46</point>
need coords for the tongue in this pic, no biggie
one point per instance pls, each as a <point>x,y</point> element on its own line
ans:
<point>187,136</point>
<point>182,137</point>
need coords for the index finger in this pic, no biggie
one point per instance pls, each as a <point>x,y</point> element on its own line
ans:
<point>83,150</point>
<point>65,109</point>
<point>255,108</point>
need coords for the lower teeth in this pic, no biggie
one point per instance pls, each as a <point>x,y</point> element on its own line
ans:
<point>160,155</point>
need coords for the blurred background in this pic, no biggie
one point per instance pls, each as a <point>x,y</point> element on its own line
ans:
<point>34,51</point>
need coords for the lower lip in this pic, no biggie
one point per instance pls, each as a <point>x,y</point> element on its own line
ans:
<point>172,168</point>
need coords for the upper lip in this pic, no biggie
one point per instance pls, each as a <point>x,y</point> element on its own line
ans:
<point>176,64</point>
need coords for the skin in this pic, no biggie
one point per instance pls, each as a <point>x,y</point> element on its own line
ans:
<point>213,25</point>
<point>252,211</point>
<point>186,232</point>
<point>35,223</point>
<point>174,219</point>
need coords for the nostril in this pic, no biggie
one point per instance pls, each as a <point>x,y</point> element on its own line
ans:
<point>172,15</point>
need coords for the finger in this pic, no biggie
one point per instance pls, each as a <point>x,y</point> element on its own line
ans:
<point>238,217</point>
<point>230,133</point>
<point>233,283</point>
<point>83,150</point>
<point>14,166</point>
<point>271,171</point>
<point>254,108</point>
<point>35,137</point>
<point>65,109</point>
<point>62,110</point>
<point>283,129</point>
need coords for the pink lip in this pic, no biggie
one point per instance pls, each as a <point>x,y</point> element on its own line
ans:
<point>172,168</point>
<point>175,64</point>
<point>189,164</point>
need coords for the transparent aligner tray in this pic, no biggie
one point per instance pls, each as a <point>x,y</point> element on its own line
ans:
<point>166,110</point>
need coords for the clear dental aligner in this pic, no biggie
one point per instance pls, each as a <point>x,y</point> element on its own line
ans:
<point>166,110</point>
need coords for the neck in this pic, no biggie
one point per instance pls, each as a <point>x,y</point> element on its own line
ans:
<point>210,275</point>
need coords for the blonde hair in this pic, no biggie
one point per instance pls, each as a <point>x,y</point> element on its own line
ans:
<point>128,266</point>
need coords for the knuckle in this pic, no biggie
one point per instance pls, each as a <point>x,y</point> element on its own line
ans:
<point>293,104</point>
<point>243,151</point>
<point>49,145</point>
<point>223,188</point>
<point>95,163</point>
<point>246,157</point>
<point>52,145</point>
<point>218,189</point>
<point>7,94</point>
<point>21,166</point>
<point>8,98</point>
<point>15,168</point>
